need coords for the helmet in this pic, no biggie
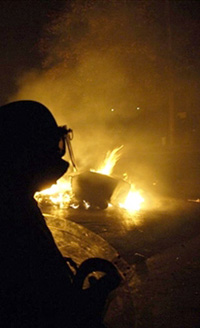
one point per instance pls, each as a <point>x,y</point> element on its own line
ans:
<point>31,144</point>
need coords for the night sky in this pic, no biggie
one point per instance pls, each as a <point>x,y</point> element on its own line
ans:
<point>106,64</point>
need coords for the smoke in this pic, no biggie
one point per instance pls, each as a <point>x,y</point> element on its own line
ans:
<point>85,110</point>
<point>104,75</point>
<point>97,70</point>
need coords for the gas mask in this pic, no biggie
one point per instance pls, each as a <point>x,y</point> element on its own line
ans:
<point>51,165</point>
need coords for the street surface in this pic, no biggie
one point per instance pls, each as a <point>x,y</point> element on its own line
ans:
<point>162,247</point>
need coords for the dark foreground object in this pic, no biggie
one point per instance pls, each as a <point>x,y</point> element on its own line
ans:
<point>165,283</point>
<point>81,244</point>
<point>98,189</point>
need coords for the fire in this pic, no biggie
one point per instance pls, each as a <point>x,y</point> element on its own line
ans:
<point>61,194</point>
<point>58,194</point>
<point>110,161</point>
<point>133,201</point>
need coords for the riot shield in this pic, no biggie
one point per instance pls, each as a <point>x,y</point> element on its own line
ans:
<point>79,243</point>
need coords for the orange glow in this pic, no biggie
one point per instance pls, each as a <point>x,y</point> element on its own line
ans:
<point>133,201</point>
<point>110,161</point>
<point>58,194</point>
<point>61,194</point>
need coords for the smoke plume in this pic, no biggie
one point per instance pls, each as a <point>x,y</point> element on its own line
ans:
<point>104,74</point>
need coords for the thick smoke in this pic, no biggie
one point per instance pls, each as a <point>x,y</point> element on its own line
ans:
<point>105,75</point>
<point>97,74</point>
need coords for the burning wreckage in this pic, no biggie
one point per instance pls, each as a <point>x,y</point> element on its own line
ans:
<point>92,189</point>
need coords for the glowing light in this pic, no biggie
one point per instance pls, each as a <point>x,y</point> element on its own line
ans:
<point>112,109</point>
<point>133,201</point>
<point>74,206</point>
<point>86,204</point>
<point>58,194</point>
<point>110,161</point>
<point>61,194</point>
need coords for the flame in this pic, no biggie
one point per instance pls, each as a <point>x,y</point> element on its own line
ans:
<point>133,201</point>
<point>61,194</point>
<point>110,161</point>
<point>58,194</point>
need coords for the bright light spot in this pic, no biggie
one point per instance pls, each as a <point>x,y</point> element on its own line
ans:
<point>112,109</point>
<point>125,176</point>
<point>138,108</point>
<point>133,201</point>
<point>86,204</point>
<point>74,206</point>
<point>58,194</point>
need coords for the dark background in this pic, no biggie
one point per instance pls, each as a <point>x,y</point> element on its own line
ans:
<point>21,25</point>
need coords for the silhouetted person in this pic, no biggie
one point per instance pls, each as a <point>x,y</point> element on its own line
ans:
<point>35,285</point>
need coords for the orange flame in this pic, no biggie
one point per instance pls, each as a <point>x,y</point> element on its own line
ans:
<point>133,201</point>
<point>58,194</point>
<point>110,161</point>
<point>61,194</point>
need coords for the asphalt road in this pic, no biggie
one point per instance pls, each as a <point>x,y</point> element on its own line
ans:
<point>162,245</point>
